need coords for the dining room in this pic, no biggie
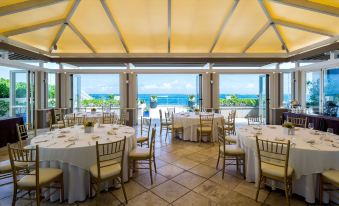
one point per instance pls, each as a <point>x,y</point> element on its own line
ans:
<point>169,102</point>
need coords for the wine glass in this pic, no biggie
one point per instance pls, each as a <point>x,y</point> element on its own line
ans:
<point>311,125</point>
<point>330,130</point>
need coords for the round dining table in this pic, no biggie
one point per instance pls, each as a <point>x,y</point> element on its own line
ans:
<point>191,121</point>
<point>74,151</point>
<point>311,153</point>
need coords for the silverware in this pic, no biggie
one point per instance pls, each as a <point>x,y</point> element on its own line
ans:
<point>41,141</point>
<point>51,144</point>
<point>73,143</point>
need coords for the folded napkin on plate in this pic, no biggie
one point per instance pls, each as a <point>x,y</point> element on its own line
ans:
<point>95,137</point>
<point>111,132</point>
<point>311,141</point>
<point>72,139</point>
<point>61,136</point>
<point>279,138</point>
<point>64,131</point>
<point>46,140</point>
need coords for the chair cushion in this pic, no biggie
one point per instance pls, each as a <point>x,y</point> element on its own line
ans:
<point>139,153</point>
<point>331,176</point>
<point>275,171</point>
<point>5,166</point>
<point>232,150</point>
<point>230,139</point>
<point>205,129</point>
<point>142,139</point>
<point>46,175</point>
<point>105,172</point>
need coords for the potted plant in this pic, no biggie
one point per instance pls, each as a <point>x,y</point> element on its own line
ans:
<point>154,101</point>
<point>93,111</point>
<point>146,112</point>
<point>196,111</point>
<point>289,128</point>
<point>89,127</point>
<point>191,101</point>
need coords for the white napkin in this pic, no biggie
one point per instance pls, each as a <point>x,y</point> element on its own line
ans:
<point>311,141</point>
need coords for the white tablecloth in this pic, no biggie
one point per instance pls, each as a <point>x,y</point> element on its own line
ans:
<point>307,159</point>
<point>94,116</point>
<point>190,122</point>
<point>76,159</point>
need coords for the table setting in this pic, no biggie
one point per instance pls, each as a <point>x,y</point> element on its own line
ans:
<point>190,121</point>
<point>74,151</point>
<point>311,153</point>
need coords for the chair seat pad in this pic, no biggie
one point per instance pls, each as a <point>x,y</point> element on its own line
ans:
<point>331,176</point>
<point>139,153</point>
<point>5,166</point>
<point>230,139</point>
<point>105,172</point>
<point>275,171</point>
<point>232,150</point>
<point>46,175</point>
<point>142,139</point>
<point>205,129</point>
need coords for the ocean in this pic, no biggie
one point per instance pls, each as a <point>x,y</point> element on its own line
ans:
<point>171,99</point>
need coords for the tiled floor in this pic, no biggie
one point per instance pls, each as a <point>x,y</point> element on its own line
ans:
<point>186,175</point>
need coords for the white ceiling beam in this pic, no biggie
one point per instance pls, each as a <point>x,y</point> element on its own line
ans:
<point>261,3</point>
<point>169,24</point>
<point>114,24</point>
<point>311,6</point>
<point>224,23</point>
<point>22,45</point>
<point>82,37</point>
<point>35,27</point>
<point>26,5</point>
<point>62,28</point>
<point>303,27</point>
<point>256,36</point>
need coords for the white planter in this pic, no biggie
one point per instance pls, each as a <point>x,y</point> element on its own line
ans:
<point>288,131</point>
<point>89,129</point>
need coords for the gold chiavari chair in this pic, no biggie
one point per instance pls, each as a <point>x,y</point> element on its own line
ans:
<point>229,133</point>
<point>123,117</point>
<point>299,122</point>
<point>80,120</point>
<point>57,125</point>
<point>254,120</point>
<point>230,122</point>
<point>33,178</point>
<point>273,164</point>
<point>145,128</point>
<point>22,134</point>
<point>206,126</point>
<point>107,118</point>
<point>172,127</point>
<point>70,119</point>
<point>171,110</point>
<point>229,153</point>
<point>144,156</point>
<point>163,122</point>
<point>330,178</point>
<point>109,165</point>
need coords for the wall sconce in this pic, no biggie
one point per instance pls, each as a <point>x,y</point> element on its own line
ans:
<point>212,82</point>
<point>127,81</point>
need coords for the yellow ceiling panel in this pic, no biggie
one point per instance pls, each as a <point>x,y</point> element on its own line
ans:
<point>143,24</point>
<point>69,42</point>
<point>268,42</point>
<point>34,16</point>
<point>192,29</point>
<point>41,38</point>
<point>334,3</point>
<point>246,21</point>
<point>303,17</point>
<point>91,20</point>
<point>10,2</point>
<point>297,39</point>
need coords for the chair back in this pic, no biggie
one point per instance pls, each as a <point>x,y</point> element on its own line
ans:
<point>123,116</point>
<point>168,118</point>
<point>221,136</point>
<point>145,126</point>
<point>273,153</point>
<point>57,115</point>
<point>254,120</point>
<point>107,118</point>
<point>299,122</point>
<point>109,154</point>
<point>70,119</point>
<point>160,115</point>
<point>20,156</point>
<point>22,133</point>
<point>171,110</point>
<point>152,143</point>
<point>80,120</point>
<point>206,120</point>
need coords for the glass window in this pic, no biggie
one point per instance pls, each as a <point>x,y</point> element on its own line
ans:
<point>287,89</point>
<point>287,65</point>
<point>331,92</point>
<point>51,90</point>
<point>51,65</point>
<point>313,91</point>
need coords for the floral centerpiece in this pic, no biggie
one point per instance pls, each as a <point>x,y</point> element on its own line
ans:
<point>196,111</point>
<point>93,110</point>
<point>295,103</point>
<point>289,128</point>
<point>154,101</point>
<point>191,101</point>
<point>89,127</point>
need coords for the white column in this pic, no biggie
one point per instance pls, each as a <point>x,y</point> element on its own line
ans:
<point>206,90</point>
<point>216,103</point>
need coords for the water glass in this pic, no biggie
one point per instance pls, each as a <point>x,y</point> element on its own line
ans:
<point>311,125</point>
<point>330,130</point>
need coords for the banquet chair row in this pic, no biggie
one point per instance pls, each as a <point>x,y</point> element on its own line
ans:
<point>298,122</point>
<point>254,120</point>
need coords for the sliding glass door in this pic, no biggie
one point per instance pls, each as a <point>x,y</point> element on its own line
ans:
<point>331,92</point>
<point>313,92</point>
<point>263,98</point>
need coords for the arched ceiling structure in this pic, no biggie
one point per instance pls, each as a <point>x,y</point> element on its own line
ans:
<point>127,28</point>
